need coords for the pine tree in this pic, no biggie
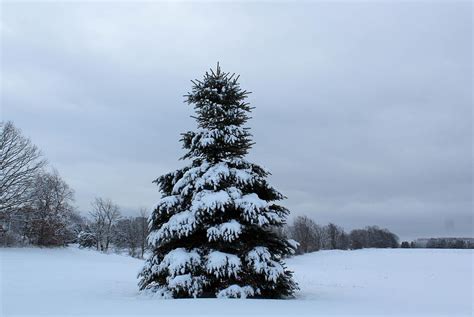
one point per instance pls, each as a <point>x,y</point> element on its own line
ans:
<point>213,232</point>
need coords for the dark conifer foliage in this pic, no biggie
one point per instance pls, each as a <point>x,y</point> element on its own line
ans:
<point>212,233</point>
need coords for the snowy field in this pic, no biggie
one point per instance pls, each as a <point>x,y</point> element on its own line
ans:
<point>402,282</point>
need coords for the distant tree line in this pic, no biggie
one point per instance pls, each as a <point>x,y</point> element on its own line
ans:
<point>440,243</point>
<point>36,208</point>
<point>36,205</point>
<point>314,237</point>
<point>35,202</point>
<point>105,228</point>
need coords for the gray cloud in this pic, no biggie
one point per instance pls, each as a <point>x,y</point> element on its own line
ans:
<point>363,110</point>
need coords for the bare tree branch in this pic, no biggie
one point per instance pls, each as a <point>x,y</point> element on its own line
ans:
<point>104,214</point>
<point>20,161</point>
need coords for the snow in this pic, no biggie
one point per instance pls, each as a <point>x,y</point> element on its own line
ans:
<point>210,201</point>
<point>294,244</point>
<point>400,282</point>
<point>235,291</point>
<point>185,282</point>
<point>179,225</point>
<point>260,259</point>
<point>213,175</point>
<point>189,177</point>
<point>207,202</point>
<point>230,133</point>
<point>269,218</point>
<point>202,182</point>
<point>178,260</point>
<point>250,204</point>
<point>169,201</point>
<point>243,176</point>
<point>227,231</point>
<point>155,291</point>
<point>223,264</point>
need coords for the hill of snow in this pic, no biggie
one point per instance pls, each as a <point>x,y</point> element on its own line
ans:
<point>402,282</point>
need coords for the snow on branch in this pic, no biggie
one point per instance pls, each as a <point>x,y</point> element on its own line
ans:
<point>223,264</point>
<point>251,204</point>
<point>236,291</point>
<point>261,260</point>
<point>200,177</point>
<point>168,202</point>
<point>227,231</point>
<point>210,201</point>
<point>182,186</point>
<point>186,282</point>
<point>156,290</point>
<point>179,261</point>
<point>179,225</point>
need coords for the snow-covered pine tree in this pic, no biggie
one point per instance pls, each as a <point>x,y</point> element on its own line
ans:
<point>213,232</point>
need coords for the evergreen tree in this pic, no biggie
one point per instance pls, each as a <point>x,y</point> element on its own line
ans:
<point>212,233</point>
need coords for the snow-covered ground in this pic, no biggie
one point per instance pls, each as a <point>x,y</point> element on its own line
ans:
<point>402,282</point>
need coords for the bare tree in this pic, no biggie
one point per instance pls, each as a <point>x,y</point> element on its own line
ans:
<point>381,238</point>
<point>105,214</point>
<point>20,161</point>
<point>50,210</point>
<point>131,234</point>
<point>142,227</point>
<point>307,233</point>
<point>373,237</point>
<point>334,237</point>
<point>358,239</point>
<point>98,226</point>
<point>126,235</point>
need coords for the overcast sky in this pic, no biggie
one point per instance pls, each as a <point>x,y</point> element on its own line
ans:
<point>363,110</point>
